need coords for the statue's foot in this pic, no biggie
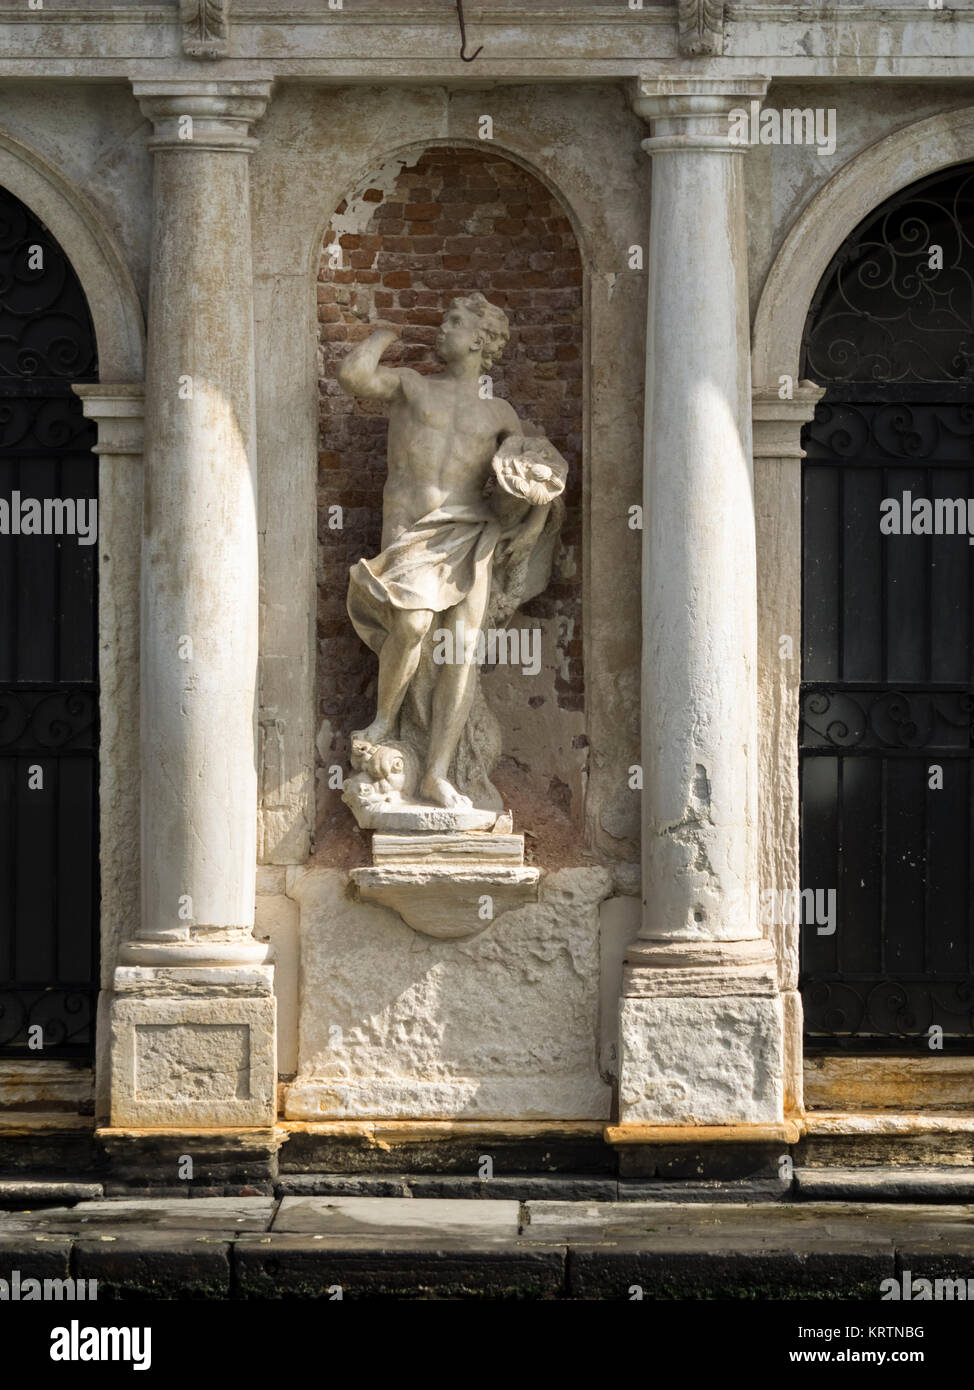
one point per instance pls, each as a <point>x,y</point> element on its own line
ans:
<point>377,732</point>
<point>438,789</point>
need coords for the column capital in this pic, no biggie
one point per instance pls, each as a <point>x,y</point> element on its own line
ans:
<point>777,424</point>
<point>692,113</point>
<point>203,114</point>
<point>119,412</point>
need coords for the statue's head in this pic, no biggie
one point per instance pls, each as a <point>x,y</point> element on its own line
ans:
<point>473,324</point>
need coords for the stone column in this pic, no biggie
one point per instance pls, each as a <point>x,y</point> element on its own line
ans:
<point>701,1027</point>
<point>199,556</point>
<point>193,1019</point>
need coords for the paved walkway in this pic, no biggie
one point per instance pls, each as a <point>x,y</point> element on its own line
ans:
<point>306,1246</point>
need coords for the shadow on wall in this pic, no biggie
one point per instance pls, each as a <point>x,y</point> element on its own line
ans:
<point>455,221</point>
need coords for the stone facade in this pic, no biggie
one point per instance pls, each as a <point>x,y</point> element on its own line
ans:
<point>580,174</point>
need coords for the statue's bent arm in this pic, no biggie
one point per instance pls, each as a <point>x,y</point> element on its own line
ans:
<point>361,375</point>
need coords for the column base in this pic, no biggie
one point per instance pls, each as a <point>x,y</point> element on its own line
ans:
<point>193,1047</point>
<point>701,1035</point>
<point>194,952</point>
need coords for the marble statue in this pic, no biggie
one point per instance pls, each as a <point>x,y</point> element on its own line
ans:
<point>470,514</point>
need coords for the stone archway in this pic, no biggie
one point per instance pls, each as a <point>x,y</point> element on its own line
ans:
<point>835,211</point>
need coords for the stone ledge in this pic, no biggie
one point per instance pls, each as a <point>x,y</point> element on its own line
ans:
<point>155,1265</point>
<point>886,1184</point>
<point>37,1192</point>
<point>888,1122</point>
<point>788,1132</point>
<point>444,1146</point>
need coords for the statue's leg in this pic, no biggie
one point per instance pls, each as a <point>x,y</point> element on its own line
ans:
<point>398,661</point>
<point>453,694</point>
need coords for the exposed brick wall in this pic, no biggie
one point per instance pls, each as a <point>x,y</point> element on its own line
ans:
<point>456,221</point>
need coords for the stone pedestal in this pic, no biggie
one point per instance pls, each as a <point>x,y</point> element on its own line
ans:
<point>701,1031</point>
<point>193,1024</point>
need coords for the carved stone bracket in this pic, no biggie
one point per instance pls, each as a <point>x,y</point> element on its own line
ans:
<point>448,885</point>
<point>701,27</point>
<point>206,28</point>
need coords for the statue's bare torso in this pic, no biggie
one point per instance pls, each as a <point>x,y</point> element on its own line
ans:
<point>442,437</point>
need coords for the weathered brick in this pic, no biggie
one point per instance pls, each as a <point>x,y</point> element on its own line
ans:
<point>421,212</point>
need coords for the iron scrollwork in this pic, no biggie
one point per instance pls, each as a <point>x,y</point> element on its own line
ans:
<point>884,433</point>
<point>887,1007</point>
<point>45,721</point>
<point>63,1014</point>
<point>887,719</point>
<point>45,326</point>
<point>897,303</point>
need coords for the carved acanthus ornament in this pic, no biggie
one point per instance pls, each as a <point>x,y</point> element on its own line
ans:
<point>701,27</point>
<point>206,27</point>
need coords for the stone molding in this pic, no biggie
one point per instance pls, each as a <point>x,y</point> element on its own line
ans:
<point>528,42</point>
<point>788,1131</point>
<point>681,969</point>
<point>92,249</point>
<point>687,112</point>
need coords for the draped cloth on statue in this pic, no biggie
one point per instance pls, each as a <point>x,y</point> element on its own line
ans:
<point>431,566</point>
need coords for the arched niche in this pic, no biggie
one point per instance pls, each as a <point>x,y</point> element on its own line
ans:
<point>449,219</point>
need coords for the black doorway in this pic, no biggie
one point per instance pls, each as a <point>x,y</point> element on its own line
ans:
<point>48,651</point>
<point>887,752</point>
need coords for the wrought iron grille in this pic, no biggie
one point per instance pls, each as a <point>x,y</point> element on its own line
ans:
<point>48,654</point>
<point>897,303</point>
<point>887,701</point>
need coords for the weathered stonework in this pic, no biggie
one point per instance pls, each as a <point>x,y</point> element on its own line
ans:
<point>700,1061</point>
<point>522,1019</point>
<point>396,1024</point>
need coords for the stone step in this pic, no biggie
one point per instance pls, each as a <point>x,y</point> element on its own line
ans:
<point>413,1247</point>
<point>946,1183</point>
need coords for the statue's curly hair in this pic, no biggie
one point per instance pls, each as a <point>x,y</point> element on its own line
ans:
<point>493,321</point>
